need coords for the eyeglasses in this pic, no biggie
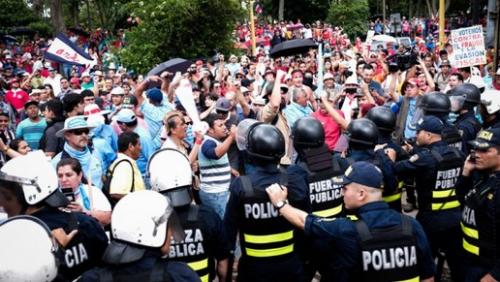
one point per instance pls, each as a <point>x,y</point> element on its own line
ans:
<point>221,112</point>
<point>79,131</point>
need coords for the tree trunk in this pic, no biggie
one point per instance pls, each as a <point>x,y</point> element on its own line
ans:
<point>74,12</point>
<point>38,7</point>
<point>56,15</point>
<point>429,8</point>
<point>281,10</point>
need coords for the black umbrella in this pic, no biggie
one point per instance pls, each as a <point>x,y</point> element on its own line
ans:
<point>79,31</point>
<point>292,47</point>
<point>8,38</point>
<point>173,66</point>
<point>22,30</point>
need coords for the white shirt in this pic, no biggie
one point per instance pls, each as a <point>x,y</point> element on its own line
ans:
<point>98,200</point>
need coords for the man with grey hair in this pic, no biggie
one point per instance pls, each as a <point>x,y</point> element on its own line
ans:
<point>299,107</point>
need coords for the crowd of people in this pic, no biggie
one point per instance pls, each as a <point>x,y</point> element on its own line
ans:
<point>291,172</point>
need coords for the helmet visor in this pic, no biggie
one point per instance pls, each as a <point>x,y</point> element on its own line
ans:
<point>457,103</point>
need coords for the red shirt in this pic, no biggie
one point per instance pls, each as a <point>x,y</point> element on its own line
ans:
<point>17,98</point>
<point>332,128</point>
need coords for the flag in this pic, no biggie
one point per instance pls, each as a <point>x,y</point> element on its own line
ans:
<point>62,50</point>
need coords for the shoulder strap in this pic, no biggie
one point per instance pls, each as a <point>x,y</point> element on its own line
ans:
<point>193,213</point>
<point>363,230</point>
<point>406,226</point>
<point>132,188</point>
<point>247,185</point>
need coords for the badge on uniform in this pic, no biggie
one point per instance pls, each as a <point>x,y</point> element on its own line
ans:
<point>414,158</point>
<point>461,132</point>
<point>490,196</point>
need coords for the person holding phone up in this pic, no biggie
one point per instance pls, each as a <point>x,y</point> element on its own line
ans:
<point>480,198</point>
<point>83,198</point>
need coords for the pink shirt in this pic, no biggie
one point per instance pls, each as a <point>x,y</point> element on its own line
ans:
<point>332,128</point>
<point>17,98</point>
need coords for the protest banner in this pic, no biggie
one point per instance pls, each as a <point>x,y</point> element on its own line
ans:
<point>468,47</point>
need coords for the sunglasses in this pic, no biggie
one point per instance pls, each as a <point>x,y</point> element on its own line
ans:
<point>221,112</point>
<point>79,131</point>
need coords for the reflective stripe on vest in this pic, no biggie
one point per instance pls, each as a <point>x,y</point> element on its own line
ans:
<point>414,279</point>
<point>392,198</point>
<point>471,236</point>
<point>329,212</point>
<point>446,204</point>
<point>268,239</point>
<point>199,265</point>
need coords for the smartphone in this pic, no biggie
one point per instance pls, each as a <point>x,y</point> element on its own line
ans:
<point>68,192</point>
<point>472,157</point>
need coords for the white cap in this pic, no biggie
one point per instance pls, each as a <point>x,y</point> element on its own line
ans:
<point>117,91</point>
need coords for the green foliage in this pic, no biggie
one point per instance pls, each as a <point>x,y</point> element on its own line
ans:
<point>14,13</point>
<point>352,15</point>
<point>42,27</point>
<point>178,28</point>
<point>307,11</point>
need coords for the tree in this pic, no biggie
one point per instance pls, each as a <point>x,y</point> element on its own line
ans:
<point>351,15</point>
<point>307,11</point>
<point>14,13</point>
<point>178,28</point>
<point>56,15</point>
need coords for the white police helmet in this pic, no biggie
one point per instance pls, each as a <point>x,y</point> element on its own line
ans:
<point>491,100</point>
<point>170,174</point>
<point>140,219</point>
<point>28,250</point>
<point>37,177</point>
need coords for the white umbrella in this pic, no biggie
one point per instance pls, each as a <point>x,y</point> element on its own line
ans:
<point>384,38</point>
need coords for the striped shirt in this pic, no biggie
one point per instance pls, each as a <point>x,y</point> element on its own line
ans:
<point>215,173</point>
<point>31,132</point>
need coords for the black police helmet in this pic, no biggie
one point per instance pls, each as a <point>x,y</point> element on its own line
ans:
<point>265,143</point>
<point>383,117</point>
<point>362,134</point>
<point>308,132</point>
<point>470,91</point>
<point>435,103</point>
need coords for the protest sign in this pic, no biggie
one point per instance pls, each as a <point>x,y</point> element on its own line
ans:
<point>468,47</point>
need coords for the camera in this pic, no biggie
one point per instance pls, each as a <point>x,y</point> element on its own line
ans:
<point>402,61</point>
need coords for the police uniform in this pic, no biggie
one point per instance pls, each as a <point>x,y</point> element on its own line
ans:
<point>268,241</point>
<point>437,167</point>
<point>451,135</point>
<point>468,126</point>
<point>391,194</point>
<point>85,250</point>
<point>205,241</point>
<point>382,245</point>
<point>480,222</point>
<point>149,268</point>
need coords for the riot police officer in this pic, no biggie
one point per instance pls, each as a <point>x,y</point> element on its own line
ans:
<point>437,167</point>
<point>490,108</point>
<point>142,225</point>
<point>205,240</point>
<point>29,185</point>
<point>480,216</point>
<point>385,120</point>
<point>439,105</point>
<point>363,135</point>
<point>383,245</point>
<point>464,98</point>
<point>28,250</point>
<point>267,239</point>
<point>324,177</point>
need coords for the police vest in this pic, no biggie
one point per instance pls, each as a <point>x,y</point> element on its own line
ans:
<point>479,224</point>
<point>388,254</point>
<point>441,194</point>
<point>263,232</point>
<point>324,177</point>
<point>156,274</point>
<point>452,137</point>
<point>193,249</point>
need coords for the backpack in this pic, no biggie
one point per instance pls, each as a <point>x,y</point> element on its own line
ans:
<point>109,177</point>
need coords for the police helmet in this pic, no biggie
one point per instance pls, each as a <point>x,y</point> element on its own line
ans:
<point>37,178</point>
<point>362,133</point>
<point>383,117</point>
<point>435,103</point>
<point>308,132</point>
<point>464,96</point>
<point>175,181</point>
<point>265,143</point>
<point>28,250</point>
<point>139,221</point>
<point>490,99</point>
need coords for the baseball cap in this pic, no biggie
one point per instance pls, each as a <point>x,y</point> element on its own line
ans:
<point>430,124</point>
<point>223,104</point>
<point>328,76</point>
<point>117,91</point>
<point>246,82</point>
<point>125,116</point>
<point>486,139</point>
<point>363,173</point>
<point>445,63</point>
<point>155,95</point>
<point>30,103</point>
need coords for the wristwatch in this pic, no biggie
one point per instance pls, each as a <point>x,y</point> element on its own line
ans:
<point>281,204</point>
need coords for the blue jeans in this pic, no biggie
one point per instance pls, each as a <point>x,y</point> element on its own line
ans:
<point>217,201</point>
